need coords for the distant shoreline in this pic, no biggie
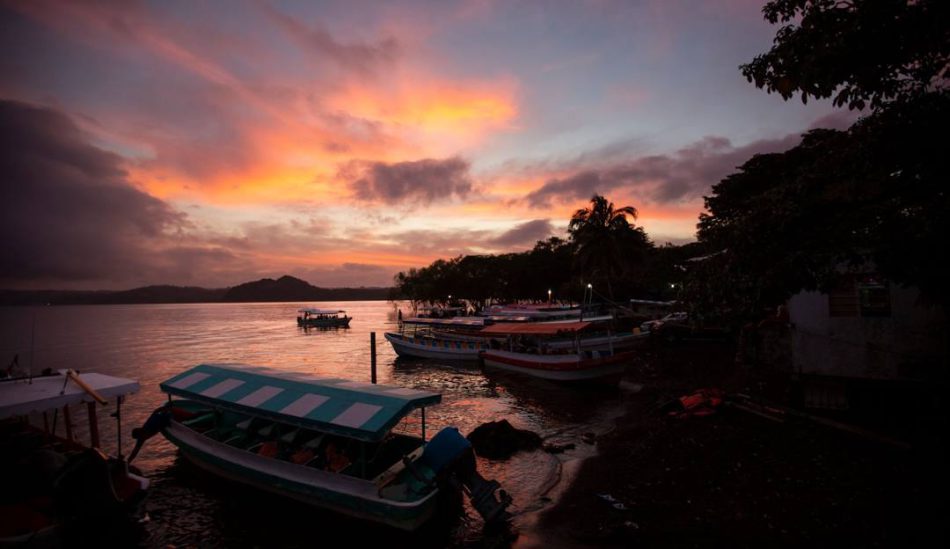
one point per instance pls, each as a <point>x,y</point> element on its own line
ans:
<point>7,303</point>
<point>266,290</point>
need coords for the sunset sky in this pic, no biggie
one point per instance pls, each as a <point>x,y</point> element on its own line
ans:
<point>212,143</point>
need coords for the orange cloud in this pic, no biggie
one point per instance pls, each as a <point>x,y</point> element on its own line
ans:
<point>439,117</point>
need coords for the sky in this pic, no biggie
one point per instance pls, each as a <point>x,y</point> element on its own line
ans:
<point>212,143</point>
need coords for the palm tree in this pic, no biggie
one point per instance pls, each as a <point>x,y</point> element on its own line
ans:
<point>606,240</point>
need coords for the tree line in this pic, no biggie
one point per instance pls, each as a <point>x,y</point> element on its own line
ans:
<point>605,249</point>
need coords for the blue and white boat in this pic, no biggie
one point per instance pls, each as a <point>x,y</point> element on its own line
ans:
<point>422,346</point>
<point>326,442</point>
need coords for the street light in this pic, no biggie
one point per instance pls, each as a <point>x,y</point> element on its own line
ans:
<point>549,296</point>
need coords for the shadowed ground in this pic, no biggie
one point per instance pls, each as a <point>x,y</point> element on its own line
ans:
<point>738,479</point>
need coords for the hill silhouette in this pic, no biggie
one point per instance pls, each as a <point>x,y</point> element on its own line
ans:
<point>285,288</point>
<point>288,288</point>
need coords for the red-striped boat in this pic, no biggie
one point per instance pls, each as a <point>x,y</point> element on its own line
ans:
<point>527,352</point>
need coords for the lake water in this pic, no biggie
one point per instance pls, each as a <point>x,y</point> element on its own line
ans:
<point>151,343</point>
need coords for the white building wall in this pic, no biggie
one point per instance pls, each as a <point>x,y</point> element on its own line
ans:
<point>904,345</point>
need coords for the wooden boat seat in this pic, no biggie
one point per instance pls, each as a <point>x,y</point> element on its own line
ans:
<point>290,437</point>
<point>235,439</point>
<point>198,419</point>
<point>386,477</point>
<point>312,446</point>
<point>313,443</point>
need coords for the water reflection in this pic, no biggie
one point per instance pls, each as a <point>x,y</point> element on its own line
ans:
<point>151,343</point>
<point>212,512</point>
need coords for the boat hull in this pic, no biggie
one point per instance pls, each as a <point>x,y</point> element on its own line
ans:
<point>324,322</point>
<point>435,348</point>
<point>331,491</point>
<point>566,368</point>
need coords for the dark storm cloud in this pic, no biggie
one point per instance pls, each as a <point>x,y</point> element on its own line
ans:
<point>421,181</point>
<point>70,214</point>
<point>525,234</point>
<point>682,176</point>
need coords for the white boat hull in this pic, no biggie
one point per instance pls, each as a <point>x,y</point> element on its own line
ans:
<point>333,491</point>
<point>435,348</point>
<point>569,368</point>
<point>613,342</point>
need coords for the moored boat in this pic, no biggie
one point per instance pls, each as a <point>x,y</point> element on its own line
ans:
<point>432,347</point>
<point>439,338</point>
<point>54,483</point>
<point>323,318</point>
<point>464,338</point>
<point>329,443</point>
<point>529,352</point>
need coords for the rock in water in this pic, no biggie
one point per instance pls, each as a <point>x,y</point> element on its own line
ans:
<point>499,440</point>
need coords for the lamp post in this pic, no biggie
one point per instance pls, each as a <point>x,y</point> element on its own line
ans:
<point>549,296</point>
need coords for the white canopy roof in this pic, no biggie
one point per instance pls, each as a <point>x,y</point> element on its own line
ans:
<point>320,311</point>
<point>20,397</point>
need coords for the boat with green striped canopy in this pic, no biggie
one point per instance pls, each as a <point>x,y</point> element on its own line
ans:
<point>328,442</point>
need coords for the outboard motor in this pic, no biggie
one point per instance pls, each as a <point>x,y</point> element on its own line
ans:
<point>450,455</point>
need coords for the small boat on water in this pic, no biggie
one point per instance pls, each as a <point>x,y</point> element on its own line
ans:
<point>326,442</point>
<point>323,318</point>
<point>52,483</point>
<point>529,352</point>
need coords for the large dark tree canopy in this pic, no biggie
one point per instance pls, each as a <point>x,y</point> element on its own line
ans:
<point>861,52</point>
<point>876,193</point>
<point>874,196</point>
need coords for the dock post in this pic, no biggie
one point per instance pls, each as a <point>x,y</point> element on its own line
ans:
<point>68,420</point>
<point>372,355</point>
<point>93,425</point>
<point>118,427</point>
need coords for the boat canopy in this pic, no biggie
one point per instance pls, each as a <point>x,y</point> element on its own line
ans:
<point>508,318</point>
<point>353,409</point>
<point>439,308</point>
<point>320,311</point>
<point>649,302</point>
<point>534,328</point>
<point>474,322</point>
<point>20,397</point>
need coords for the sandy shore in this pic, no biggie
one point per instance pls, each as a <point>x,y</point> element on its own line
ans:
<point>733,478</point>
